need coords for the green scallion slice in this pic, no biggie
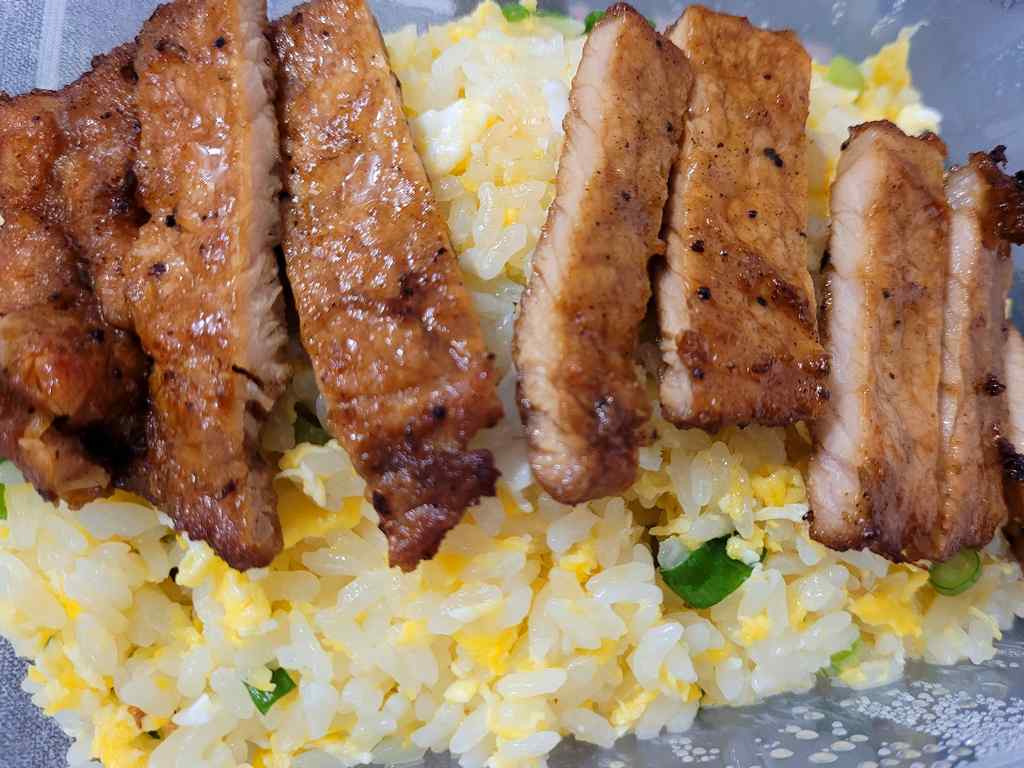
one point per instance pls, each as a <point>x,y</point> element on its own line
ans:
<point>3,495</point>
<point>845,73</point>
<point>264,700</point>
<point>707,576</point>
<point>592,18</point>
<point>308,432</point>
<point>956,575</point>
<point>515,12</point>
<point>308,428</point>
<point>847,658</point>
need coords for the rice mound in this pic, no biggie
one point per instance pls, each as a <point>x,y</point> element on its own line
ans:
<point>535,621</point>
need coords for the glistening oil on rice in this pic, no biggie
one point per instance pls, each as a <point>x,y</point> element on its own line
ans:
<point>535,621</point>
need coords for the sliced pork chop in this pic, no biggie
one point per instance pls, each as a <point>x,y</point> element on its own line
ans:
<point>396,346</point>
<point>972,395</point>
<point>735,299</point>
<point>204,291</point>
<point>585,410</point>
<point>71,387</point>
<point>67,158</point>
<point>1013,460</point>
<point>873,479</point>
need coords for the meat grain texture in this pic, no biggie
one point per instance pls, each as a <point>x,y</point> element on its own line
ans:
<point>72,385</point>
<point>204,291</point>
<point>973,408</point>
<point>735,299</point>
<point>1013,461</point>
<point>395,343</point>
<point>873,479</point>
<point>585,409</point>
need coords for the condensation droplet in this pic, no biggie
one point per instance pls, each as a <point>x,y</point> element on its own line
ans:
<point>821,758</point>
<point>805,735</point>
<point>842,746</point>
<point>780,754</point>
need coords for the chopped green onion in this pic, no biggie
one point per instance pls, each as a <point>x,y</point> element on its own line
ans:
<point>264,700</point>
<point>515,12</point>
<point>847,658</point>
<point>845,73</point>
<point>592,18</point>
<point>308,428</point>
<point>707,576</point>
<point>3,501</point>
<point>956,575</point>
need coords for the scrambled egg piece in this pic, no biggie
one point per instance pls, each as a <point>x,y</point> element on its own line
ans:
<point>891,605</point>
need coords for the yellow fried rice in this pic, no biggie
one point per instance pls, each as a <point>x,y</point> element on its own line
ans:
<point>535,621</point>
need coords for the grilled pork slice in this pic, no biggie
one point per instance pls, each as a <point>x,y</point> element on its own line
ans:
<point>395,344</point>
<point>972,400</point>
<point>205,296</point>
<point>1013,461</point>
<point>67,157</point>
<point>71,387</point>
<point>735,299</point>
<point>584,408</point>
<point>873,478</point>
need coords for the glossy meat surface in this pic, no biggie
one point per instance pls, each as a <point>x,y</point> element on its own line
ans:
<point>873,478</point>
<point>585,410</point>
<point>395,343</point>
<point>735,299</point>
<point>972,394</point>
<point>67,157</point>
<point>1013,461</point>
<point>204,291</point>
<point>71,387</point>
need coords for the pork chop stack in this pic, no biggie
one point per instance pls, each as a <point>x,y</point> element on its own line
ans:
<point>72,382</point>
<point>1013,461</point>
<point>973,408</point>
<point>911,453</point>
<point>735,298</point>
<point>584,408</point>
<point>873,479</point>
<point>396,346</point>
<point>202,280</point>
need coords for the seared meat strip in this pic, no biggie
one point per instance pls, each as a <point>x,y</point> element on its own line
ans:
<point>584,408</point>
<point>873,478</point>
<point>1013,460</point>
<point>71,387</point>
<point>204,291</point>
<point>395,344</point>
<point>735,299</point>
<point>972,400</point>
<point>67,157</point>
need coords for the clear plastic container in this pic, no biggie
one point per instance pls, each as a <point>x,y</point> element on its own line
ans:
<point>968,60</point>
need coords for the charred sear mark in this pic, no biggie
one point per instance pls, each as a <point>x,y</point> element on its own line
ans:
<point>697,246</point>
<point>992,386</point>
<point>1013,462</point>
<point>772,155</point>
